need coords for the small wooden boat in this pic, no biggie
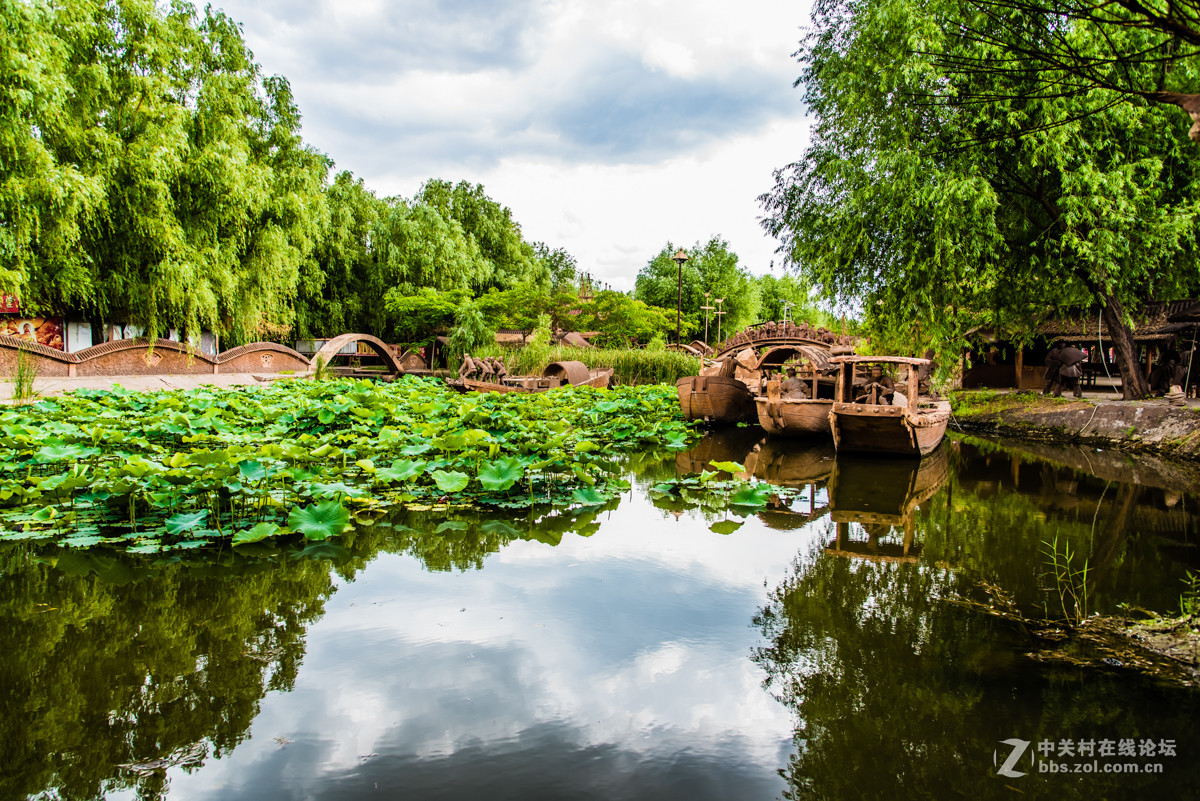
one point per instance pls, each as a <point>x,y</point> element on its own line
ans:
<point>715,398</point>
<point>797,417</point>
<point>556,374</point>
<point>915,428</point>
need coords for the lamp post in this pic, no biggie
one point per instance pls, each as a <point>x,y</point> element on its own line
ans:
<point>707,309</point>
<point>787,304</point>
<point>679,258</point>
<point>718,313</point>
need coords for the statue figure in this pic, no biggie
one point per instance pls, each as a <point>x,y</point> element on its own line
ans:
<point>486,371</point>
<point>498,367</point>
<point>1053,363</point>
<point>468,368</point>
<point>1070,372</point>
<point>769,328</point>
<point>878,389</point>
<point>793,387</point>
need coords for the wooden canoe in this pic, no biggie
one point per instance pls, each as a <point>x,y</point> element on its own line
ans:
<point>716,399</point>
<point>556,374</point>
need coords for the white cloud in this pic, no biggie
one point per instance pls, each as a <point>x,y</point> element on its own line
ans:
<point>609,127</point>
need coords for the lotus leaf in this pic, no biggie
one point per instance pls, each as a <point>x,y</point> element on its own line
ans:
<point>450,480</point>
<point>185,521</point>
<point>752,495</point>
<point>320,520</point>
<point>256,533</point>
<point>726,526</point>
<point>501,474</point>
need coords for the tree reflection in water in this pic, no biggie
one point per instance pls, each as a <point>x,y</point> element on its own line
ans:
<point>899,694</point>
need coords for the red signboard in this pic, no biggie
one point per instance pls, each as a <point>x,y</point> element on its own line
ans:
<point>8,304</point>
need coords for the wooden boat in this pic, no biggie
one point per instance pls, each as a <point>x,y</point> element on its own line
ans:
<point>556,374</point>
<point>715,398</point>
<point>792,417</point>
<point>881,496</point>
<point>797,417</point>
<point>913,429</point>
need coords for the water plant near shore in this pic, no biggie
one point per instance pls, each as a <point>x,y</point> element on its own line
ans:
<point>178,470</point>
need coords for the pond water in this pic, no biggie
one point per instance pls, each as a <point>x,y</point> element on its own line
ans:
<point>625,652</point>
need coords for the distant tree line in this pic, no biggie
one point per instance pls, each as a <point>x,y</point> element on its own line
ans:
<point>151,174</point>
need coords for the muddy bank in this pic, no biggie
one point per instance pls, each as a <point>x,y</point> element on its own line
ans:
<point>1150,426</point>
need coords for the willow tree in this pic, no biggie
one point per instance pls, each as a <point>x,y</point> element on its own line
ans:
<point>936,211</point>
<point>491,230</point>
<point>151,174</point>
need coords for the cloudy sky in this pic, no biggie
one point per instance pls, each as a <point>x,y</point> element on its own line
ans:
<point>608,126</point>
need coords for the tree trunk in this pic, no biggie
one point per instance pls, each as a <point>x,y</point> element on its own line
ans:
<point>1134,385</point>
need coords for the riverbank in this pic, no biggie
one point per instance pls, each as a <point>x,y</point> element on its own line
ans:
<point>1148,426</point>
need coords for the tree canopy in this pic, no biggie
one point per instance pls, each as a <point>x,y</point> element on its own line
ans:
<point>939,217</point>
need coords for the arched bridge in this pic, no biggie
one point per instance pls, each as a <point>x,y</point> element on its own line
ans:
<point>333,346</point>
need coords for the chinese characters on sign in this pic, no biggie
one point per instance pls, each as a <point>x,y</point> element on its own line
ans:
<point>8,304</point>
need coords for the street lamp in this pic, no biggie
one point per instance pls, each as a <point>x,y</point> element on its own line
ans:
<point>718,313</point>
<point>679,258</point>
<point>707,309</point>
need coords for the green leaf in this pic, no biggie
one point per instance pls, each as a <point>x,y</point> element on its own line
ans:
<point>185,521</point>
<point>253,470</point>
<point>320,520</point>
<point>726,526</point>
<point>501,474</point>
<point>256,534</point>
<point>752,495</point>
<point>727,467</point>
<point>588,496</point>
<point>450,480</point>
<point>586,446</point>
<point>401,470</point>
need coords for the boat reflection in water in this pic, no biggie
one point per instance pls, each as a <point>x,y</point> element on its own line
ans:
<point>881,497</point>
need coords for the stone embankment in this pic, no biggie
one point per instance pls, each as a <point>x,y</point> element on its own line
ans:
<point>1149,426</point>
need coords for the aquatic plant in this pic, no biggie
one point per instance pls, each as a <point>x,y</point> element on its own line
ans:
<point>24,374</point>
<point>1070,582</point>
<point>170,470</point>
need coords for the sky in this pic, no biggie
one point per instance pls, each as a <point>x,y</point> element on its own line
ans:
<point>609,127</point>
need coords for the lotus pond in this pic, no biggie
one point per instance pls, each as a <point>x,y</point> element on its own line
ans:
<point>807,627</point>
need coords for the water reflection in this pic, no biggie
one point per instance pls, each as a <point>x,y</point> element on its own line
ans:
<point>602,651</point>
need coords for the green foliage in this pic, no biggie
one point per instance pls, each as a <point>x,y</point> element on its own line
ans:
<point>1070,580</point>
<point>169,471</point>
<point>506,260</point>
<point>711,268</point>
<point>621,320</point>
<point>938,200</point>
<point>24,376</point>
<point>471,332</point>
<point>156,176</point>
<point>631,366</point>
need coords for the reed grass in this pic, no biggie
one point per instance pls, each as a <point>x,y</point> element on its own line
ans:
<point>632,366</point>
<point>24,375</point>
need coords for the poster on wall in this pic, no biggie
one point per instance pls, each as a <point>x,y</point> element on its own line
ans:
<point>46,331</point>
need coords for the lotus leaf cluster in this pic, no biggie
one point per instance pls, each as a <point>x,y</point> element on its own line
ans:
<point>176,470</point>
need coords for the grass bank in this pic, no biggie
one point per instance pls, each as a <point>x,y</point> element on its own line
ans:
<point>631,366</point>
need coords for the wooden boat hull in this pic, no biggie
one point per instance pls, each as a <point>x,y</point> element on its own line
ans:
<point>794,418</point>
<point>599,378</point>
<point>892,430</point>
<point>715,399</point>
